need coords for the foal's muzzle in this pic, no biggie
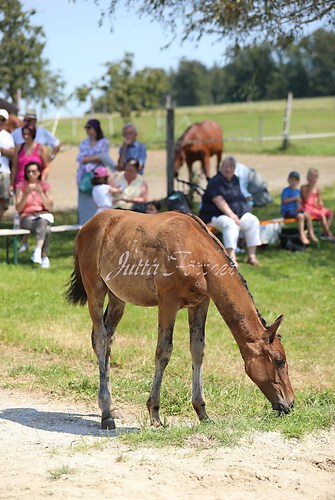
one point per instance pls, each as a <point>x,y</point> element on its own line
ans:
<point>282,408</point>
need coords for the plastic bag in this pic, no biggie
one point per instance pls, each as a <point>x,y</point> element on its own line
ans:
<point>85,185</point>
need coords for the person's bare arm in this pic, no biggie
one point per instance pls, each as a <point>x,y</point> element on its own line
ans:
<point>14,165</point>
<point>43,153</point>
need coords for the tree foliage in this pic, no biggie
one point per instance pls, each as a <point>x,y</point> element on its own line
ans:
<point>253,73</point>
<point>124,90</point>
<point>239,21</point>
<point>21,57</point>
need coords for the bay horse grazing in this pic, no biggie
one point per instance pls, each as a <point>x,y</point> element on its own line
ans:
<point>199,142</point>
<point>172,261</point>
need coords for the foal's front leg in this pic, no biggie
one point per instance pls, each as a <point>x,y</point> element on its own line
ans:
<point>197,319</point>
<point>166,320</point>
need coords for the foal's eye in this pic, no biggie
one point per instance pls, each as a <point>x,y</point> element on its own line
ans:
<point>279,362</point>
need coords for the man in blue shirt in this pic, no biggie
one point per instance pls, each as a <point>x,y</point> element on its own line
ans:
<point>131,148</point>
<point>43,136</point>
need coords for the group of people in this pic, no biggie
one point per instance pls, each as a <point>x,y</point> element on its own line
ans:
<point>305,205</point>
<point>24,169</point>
<point>227,205</point>
<point>103,183</point>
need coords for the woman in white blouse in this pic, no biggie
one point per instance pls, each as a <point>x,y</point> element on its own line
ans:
<point>93,151</point>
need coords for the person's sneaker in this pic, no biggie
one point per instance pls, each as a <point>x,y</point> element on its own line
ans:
<point>45,262</point>
<point>23,248</point>
<point>37,256</point>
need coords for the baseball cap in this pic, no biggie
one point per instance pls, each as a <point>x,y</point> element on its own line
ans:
<point>101,172</point>
<point>30,113</point>
<point>4,113</point>
<point>294,174</point>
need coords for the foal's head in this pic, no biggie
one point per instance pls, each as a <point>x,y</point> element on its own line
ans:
<point>267,367</point>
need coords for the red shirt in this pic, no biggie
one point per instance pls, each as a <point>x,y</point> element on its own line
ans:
<point>34,203</point>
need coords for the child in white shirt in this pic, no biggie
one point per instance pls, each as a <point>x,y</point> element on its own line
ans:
<point>102,191</point>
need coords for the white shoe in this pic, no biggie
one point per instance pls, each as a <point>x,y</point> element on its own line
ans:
<point>37,256</point>
<point>23,248</point>
<point>45,262</point>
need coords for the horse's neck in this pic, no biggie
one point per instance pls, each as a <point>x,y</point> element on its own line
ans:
<point>238,310</point>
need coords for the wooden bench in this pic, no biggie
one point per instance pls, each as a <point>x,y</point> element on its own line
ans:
<point>11,236</point>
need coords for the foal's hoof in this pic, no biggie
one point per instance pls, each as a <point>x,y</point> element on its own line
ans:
<point>108,423</point>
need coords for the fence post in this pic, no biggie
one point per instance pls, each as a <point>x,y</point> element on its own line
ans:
<point>287,117</point>
<point>170,144</point>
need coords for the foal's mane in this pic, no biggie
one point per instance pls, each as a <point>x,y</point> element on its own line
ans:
<point>222,248</point>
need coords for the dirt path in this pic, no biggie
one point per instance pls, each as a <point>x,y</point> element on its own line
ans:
<point>49,449</point>
<point>274,170</point>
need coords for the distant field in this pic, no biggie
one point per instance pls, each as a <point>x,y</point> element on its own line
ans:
<point>238,121</point>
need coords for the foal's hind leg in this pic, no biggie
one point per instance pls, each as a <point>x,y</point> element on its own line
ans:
<point>197,319</point>
<point>166,320</point>
<point>102,333</point>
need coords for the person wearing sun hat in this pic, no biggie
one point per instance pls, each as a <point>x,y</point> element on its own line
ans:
<point>6,155</point>
<point>43,136</point>
<point>102,192</point>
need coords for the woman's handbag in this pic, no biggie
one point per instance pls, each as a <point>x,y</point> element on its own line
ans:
<point>85,185</point>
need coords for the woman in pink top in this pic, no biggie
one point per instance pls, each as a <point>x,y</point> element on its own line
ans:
<point>312,203</point>
<point>29,151</point>
<point>34,202</point>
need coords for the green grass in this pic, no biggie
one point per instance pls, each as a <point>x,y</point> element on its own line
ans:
<point>45,346</point>
<point>238,120</point>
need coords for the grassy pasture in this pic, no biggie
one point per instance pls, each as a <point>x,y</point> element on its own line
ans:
<point>240,120</point>
<point>45,346</point>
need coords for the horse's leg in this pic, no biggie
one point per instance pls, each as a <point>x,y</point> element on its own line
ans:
<point>197,319</point>
<point>166,320</point>
<point>206,166</point>
<point>100,342</point>
<point>112,317</point>
<point>219,156</point>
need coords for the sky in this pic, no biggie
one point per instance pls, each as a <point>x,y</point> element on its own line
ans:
<point>78,48</point>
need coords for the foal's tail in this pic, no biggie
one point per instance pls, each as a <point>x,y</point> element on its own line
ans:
<point>75,293</point>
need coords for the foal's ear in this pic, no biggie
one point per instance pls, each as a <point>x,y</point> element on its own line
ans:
<point>269,336</point>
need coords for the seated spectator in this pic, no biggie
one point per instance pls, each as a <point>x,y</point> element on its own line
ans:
<point>291,208</point>
<point>6,154</point>
<point>34,203</point>
<point>225,208</point>
<point>312,203</point>
<point>153,207</point>
<point>134,187</point>
<point>131,148</point>
<point>242,172</point>
<point>102,191</point>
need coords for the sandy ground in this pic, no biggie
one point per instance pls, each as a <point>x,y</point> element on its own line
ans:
<point>49,449</point>
<point>54,449</point>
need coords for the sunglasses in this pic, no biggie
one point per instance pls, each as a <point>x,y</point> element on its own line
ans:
<point>2,119</point>
<point>32,171</point>
<point>88,126</point>
<point>28,120</point>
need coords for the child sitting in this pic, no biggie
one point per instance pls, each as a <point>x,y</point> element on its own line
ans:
<point>102,191</point>
<point>313,204</point>
<point>290,208</point>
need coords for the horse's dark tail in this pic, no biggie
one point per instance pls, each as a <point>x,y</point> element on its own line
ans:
<point>75,293</point>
